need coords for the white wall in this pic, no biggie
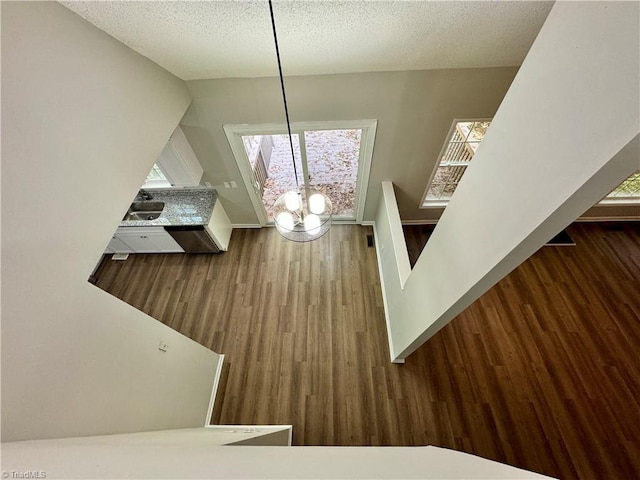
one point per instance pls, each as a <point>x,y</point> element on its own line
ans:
<point>414,112</point>
<point>193,454</point>
<point>565,135</point>
<point>393,258</point>
<point>83,120</point>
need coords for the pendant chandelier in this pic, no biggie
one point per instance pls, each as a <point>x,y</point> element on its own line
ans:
<point>302,214</point>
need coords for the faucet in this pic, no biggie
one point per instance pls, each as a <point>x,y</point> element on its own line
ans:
<point>142,195</point>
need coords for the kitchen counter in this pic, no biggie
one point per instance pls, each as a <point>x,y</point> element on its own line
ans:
<point>184,206</point>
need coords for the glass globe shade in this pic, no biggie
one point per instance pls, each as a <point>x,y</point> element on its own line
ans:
<point>312,223</point>
<point>316,203</point>
<point>292,200</point>
<point>285,221</point>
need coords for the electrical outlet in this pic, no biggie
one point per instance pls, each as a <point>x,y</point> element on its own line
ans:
<point>234,185</point>
<point>208,184</point>
<point>163,346</point>
<point>226,185</point>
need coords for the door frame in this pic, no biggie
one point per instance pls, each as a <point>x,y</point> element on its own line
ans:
<point>235,132</point>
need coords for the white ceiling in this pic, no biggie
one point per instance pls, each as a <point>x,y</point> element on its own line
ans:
<point>218,39</point>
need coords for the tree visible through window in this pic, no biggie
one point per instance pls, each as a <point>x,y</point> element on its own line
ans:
<point>627,190</point>
<point>461,145</point>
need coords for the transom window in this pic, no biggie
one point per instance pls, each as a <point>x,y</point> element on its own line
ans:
<point>462,143</point>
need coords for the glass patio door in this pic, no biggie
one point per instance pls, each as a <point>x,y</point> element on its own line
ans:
<point>332,165</point>
<point>328,158</point>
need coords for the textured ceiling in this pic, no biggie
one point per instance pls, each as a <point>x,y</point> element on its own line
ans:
<point>217,39</point>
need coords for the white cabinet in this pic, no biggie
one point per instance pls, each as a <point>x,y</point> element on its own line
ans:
<point>116,245</point>
<point>143,240</point>
<point>178,162</point>
<point>139,242</point>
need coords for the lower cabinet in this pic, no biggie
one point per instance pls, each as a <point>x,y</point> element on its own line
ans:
<point>142,240</point>
<point>117,246</point>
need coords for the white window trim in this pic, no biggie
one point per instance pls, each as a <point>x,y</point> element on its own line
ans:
<point>157,184</point>
<point>441,204</point>
<point>620,201</point>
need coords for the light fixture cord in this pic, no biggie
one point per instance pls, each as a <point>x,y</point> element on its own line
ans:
<point>284,95</point>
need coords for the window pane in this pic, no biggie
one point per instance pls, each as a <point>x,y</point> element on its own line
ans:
<point>630,188</point>
<point>156,179</point>
<point>155,174</point>
<point>332,159</point>
<point>478,131</point>
<point>435,191</point>
<point>272,167</point>
<point>251,146</point>
<point>456,175</point>
<point>458,151</point>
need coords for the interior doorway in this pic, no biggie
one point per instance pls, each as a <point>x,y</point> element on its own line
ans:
<point>333,158</point>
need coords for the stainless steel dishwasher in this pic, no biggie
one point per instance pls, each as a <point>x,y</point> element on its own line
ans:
<point>193,239</point>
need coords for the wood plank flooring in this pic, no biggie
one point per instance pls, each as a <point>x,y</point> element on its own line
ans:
<point>416,237</point>
<point>542,372</point>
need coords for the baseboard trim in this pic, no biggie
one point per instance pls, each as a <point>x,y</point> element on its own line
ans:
<point>607,219</point>
<point>246,225</point>
<point>214,391</point>
<point>579,219</point>
<point>367,223</point>
<point>419,222</point>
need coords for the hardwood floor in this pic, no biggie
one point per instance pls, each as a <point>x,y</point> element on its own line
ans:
<point>542,372</point>
<point>416,237</point>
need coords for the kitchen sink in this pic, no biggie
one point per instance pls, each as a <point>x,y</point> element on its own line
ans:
<point>144,211</point>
